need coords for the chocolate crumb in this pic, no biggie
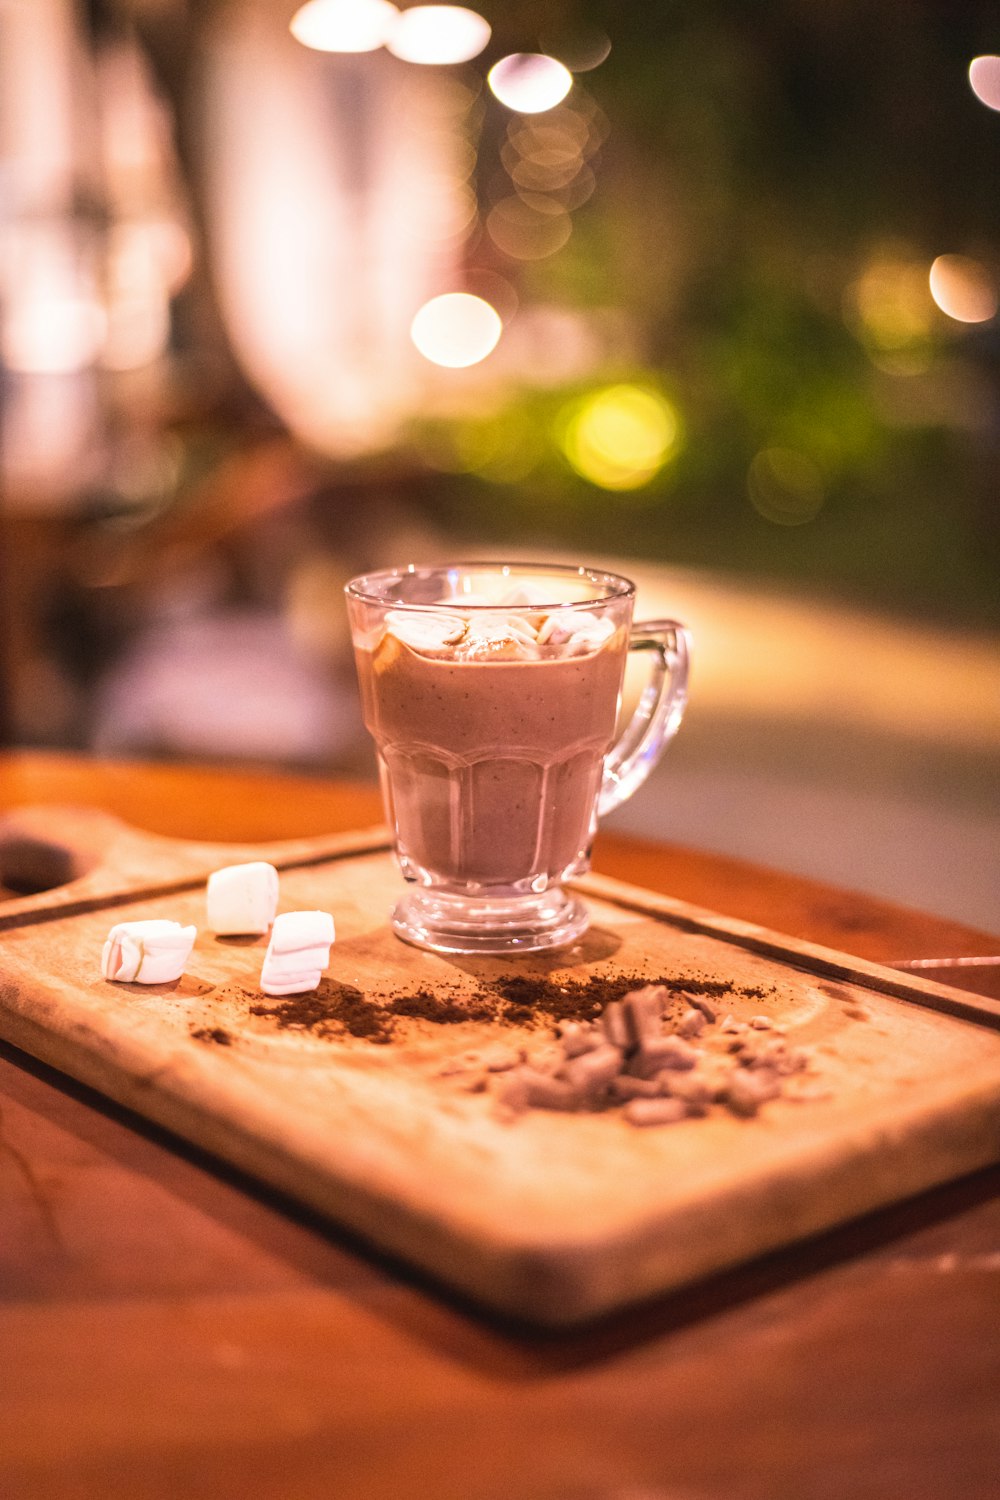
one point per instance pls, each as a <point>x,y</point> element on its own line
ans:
<point>215,1034</point>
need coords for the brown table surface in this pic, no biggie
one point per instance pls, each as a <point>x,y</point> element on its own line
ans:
<point>169,1329</point>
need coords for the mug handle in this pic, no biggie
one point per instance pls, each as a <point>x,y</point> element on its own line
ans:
<point>658,715</point>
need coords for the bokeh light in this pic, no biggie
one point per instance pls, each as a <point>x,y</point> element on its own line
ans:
<point>564,130</point>
<point>620,437</point>
<point>530,82</point>
<point>452,101</point>
<point>54,321</point>
<point>543,171</point>
<point>505,447</point>
<point>984,78</point>
<point>456,330</point>
<point>549,155</point>
<point>554,345</point>
<point>170,244</point>
<point>528,226</point>
<point>494,289</point>
<point>138,312</point>
<point>580,46</point>
<point>53,334</point>
<point>963,288</point>
<point>785,486</point>
<point>574,193</point>
<point>438,35</point>
<point>343,25</point>
<point>449,213</point>
<point>890,311</point>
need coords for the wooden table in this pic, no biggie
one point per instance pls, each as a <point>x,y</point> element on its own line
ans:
<point>168,1329</point>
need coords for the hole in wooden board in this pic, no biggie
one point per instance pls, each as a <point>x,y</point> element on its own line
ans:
<point>48,846</point>
<point>29,865</point>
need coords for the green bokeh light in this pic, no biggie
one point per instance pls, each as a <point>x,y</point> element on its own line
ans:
<point>620,437</point>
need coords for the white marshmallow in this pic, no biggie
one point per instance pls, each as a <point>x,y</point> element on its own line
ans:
<point>242,898</point>
<point>557,628</point>
<point>149,952</point>
<point>590,637</point>
<point>295,930</point>
<point>498,638</point>
<point>458,600</point>
<point>527,593</point>
<point>425,632</point>
<point>520,627</point>
<point>298,952</point>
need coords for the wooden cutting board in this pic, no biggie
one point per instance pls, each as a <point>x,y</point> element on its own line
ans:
<point>554,1218</point>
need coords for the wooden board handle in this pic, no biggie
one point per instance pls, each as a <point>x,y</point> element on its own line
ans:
<point>58,860</point>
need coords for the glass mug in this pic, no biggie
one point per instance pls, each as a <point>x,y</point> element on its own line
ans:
<point>492,692</point>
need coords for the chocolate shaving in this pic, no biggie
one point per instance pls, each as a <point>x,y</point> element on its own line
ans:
<point>216,1034</point>
<point>643,1065</point>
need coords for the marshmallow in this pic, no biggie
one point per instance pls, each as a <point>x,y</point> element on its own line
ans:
<point>520,627</point>
<point>456,600</point>
<point>590,637</point>
<point>527,593</point>
<point>494,639</point>
<point>425,632</point>
<point>298,952</point>
<point>150,952</point>
<point>242,898</point>
<point>563,623</point>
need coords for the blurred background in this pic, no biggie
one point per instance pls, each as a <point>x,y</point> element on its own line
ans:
<point>706,292</point>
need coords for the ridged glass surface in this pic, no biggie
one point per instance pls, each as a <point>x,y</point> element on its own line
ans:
<point>493,820</point>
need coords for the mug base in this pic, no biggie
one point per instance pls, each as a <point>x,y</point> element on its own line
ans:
<point>445,923</point>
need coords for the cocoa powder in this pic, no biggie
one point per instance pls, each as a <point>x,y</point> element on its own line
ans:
<point>425,1005</point>
<point>529,1000</point>
<point>511,1000</point>
<point>330,1009</point>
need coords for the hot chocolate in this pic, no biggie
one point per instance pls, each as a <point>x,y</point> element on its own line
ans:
<point>492,693</point>
<point>491,747</point>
